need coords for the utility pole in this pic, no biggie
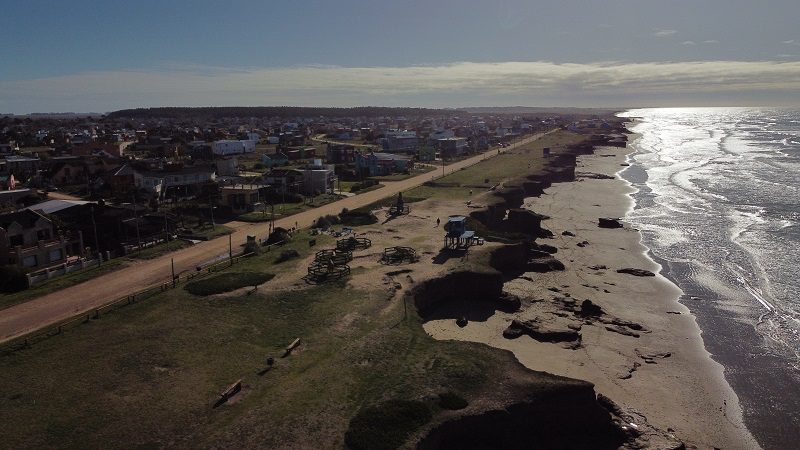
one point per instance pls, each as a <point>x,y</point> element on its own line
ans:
<point>166,227</point>
<point>213,225</point>
<point>173,272</point>
<point>230,247</point>
<point>96,242</point>
<point>136,221</point>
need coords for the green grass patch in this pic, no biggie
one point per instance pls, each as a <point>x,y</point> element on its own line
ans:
<point>160,249</point>
<point>418,170</point>
<point>209,232</point>
<point>386,426</point>
<point>227,282</point>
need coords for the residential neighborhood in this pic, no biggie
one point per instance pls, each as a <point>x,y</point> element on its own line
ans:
<point>81,189</point>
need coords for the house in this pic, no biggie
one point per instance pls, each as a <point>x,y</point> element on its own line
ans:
<point>340,154</point>
<point>284,181</point>
<point>426,154</point>
<point>184,181</point>
<point>378,164</point>
<point>119,228</point>
<point>401,142</point>
<point>116,149</point>
<point>276,159</point>
<point>318,178</point>
<point>79,171</point>
<point>11,199</point>
<point>8,149</point>
<point>243,198</point>
<point>228,167</point>
<point>440,134</point>
<point>296,153</point>
<point>28,240</point>
<point>231,147</point>
<point>454,146</point>
<point>22,167</point>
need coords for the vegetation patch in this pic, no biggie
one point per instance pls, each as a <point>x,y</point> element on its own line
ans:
<point>226,282</point>
<point>159,250</point>
<point>451,400</point>
<point>358,217</point>
<point>386,426</point>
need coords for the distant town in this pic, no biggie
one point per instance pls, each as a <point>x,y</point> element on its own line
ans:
<point>82,190</point>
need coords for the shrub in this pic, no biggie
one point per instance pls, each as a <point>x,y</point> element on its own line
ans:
<point>451,400</point>
<point>387,425</point>
<point>12,279</point>
<point>358,217</point>
<point>278,235</point>
<point>226,282</point>
<point>287,255</point>
<point>325,222</point>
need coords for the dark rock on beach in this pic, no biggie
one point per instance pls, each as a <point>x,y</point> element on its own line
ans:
<point>542,332</point>
<point>636,272</point>
<point>544,264</point>
<point>608,222</point>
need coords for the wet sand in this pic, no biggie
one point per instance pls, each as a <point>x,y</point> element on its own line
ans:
<point>660,373</point>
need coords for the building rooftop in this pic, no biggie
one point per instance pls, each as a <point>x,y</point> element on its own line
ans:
<point>52,206</point>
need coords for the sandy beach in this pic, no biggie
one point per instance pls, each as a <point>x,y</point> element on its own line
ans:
<point>654,366</point>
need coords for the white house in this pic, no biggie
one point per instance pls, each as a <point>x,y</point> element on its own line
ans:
<point>231,147</point>
<point>318,178</point>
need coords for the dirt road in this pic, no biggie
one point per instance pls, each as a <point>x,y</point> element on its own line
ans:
<point>24,318</point>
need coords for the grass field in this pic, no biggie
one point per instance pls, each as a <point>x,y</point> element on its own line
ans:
<point>507,166</point>
<point>149,373</point>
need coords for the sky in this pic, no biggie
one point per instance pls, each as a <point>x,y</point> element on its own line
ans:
<point>99,56</point>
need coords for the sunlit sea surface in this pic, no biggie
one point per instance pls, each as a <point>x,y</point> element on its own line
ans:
<point>719,207</point>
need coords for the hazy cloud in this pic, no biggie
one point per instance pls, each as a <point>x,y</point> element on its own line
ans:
<point>457,84</point>
<point>688,43</point>
<point>664,33</point>
<point>790,42</point>
<point>711,41</point>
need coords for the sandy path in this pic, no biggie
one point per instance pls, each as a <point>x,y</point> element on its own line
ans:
<point>24,318</point>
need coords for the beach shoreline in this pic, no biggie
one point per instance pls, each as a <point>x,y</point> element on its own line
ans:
<point>685,392</point>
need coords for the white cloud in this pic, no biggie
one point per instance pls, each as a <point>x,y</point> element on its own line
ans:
<point>664,33</point>
<point>711,41</point>
<point>463,83</point>
<point>790,42</point>
<point>688,43</point>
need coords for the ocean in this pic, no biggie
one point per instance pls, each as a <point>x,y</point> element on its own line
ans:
<point>718,205</point>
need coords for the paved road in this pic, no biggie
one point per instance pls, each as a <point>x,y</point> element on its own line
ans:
<point>52,308</point>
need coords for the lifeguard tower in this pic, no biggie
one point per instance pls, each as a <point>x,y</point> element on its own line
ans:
<point>458,237</point>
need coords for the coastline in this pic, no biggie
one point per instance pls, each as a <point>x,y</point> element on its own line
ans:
<point>686,391</point>
<point>765,386</point>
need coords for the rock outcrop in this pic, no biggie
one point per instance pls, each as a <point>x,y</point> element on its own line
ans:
<point>636,272</point>
<point>608,222</point>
